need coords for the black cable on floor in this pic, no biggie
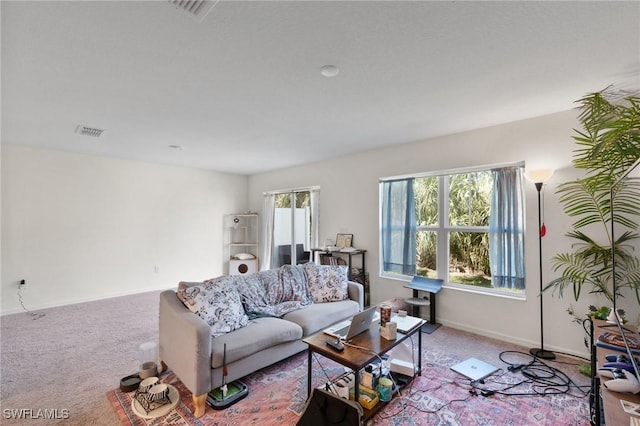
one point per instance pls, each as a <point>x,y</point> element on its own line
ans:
<point>543,378</point>
<point>34,315</point>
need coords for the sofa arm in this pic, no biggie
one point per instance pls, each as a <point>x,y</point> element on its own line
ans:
<point>185,343</point>
<point>356,292</point>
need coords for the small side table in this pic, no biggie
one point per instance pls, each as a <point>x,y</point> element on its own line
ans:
<point>428,285</point>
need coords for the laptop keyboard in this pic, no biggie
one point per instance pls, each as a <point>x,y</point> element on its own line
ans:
<point>342,332</point>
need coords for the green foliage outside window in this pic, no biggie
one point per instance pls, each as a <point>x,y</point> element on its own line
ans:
<point>469,206</point>
<point>283,201</point>
<point>470,199</point>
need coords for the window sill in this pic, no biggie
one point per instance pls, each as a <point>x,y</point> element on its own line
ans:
<point>466,288</point>
<point>486,291</point>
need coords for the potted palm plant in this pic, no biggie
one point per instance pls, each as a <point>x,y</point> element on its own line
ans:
<point>607,145</point>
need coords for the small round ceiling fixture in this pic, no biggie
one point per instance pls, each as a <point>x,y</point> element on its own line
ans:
<point>329,70</point>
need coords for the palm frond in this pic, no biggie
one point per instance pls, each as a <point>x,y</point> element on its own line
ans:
<point>606,146</point>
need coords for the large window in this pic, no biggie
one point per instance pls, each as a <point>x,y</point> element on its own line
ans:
<point>461,232</point>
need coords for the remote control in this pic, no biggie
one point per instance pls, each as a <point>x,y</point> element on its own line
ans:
<point>336,344</point>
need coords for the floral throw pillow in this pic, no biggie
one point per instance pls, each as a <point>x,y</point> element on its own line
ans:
<point>327,283</point>
<point>217,302</point>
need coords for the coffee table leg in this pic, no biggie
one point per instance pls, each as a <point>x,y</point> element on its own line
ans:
<point>309,370</point>
<point>356,387</point>
<point>419,352</point>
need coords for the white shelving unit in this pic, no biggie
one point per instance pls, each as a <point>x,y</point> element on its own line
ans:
<point>241,239</point>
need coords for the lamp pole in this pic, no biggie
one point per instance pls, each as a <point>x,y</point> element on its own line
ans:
<point>540,352</point>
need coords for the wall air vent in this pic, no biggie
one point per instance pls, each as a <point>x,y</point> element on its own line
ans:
<point>198,9</point>
<point>89,131</point>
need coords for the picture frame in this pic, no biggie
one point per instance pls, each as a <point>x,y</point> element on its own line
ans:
<point>344,240</point>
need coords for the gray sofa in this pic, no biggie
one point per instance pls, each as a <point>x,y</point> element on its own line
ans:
<point>278,318</point>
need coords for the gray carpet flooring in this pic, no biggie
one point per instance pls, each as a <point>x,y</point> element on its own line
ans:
<point>69,358</point>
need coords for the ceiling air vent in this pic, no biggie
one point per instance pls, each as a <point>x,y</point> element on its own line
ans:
<point>89,131</point>
<point>196,8</point>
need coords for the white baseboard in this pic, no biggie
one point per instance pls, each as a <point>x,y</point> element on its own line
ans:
<point>33,308</point>
<point>514,339</point>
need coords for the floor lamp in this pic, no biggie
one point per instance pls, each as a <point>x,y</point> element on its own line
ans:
<point>539,177</point>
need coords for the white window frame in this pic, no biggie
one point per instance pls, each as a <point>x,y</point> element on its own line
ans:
<point>442,230</point>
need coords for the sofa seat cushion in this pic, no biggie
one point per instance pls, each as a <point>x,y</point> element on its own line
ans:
<point>318,316</point>
<point>261,333</point>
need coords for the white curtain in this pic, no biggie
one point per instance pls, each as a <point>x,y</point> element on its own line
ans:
<point>314,200</point>
<point>267,237</point>
<point>506,229</point>
<point>398,230</point>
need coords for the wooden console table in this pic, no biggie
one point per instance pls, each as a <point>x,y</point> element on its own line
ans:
<point>323,257</point>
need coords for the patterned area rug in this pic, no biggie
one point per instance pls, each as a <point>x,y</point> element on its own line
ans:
<point>277,396</point>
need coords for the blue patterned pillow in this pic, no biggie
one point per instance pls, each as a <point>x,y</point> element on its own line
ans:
<point>264,294</point>
<point>253,296</point>
<point>294,284</point>
<point>270,280</point>
<point>217,302</point>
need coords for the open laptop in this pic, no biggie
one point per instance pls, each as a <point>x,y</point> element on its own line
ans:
<point>346,330</point>
<point>474,369</point>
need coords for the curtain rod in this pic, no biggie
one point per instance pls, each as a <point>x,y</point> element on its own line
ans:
<point>453,171</point>
<point>288,191</point>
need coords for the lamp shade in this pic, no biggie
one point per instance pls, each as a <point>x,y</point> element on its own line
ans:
<point>539,176</point>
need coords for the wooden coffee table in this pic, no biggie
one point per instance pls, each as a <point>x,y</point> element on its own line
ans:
<point>356,359</point>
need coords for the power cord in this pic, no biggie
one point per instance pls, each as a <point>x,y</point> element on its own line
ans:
<point>326,375</point>
<point>362,348</point>
<point>542,378</point>
<point>405,405</point>
<point>34,315</point>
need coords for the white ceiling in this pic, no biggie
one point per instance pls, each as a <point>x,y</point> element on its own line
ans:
<point>241,91</point>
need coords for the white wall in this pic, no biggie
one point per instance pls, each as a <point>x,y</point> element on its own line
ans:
<point>349,204</point>
<point>79,227</point>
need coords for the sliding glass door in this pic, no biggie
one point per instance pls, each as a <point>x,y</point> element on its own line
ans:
<point>294,226</point>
